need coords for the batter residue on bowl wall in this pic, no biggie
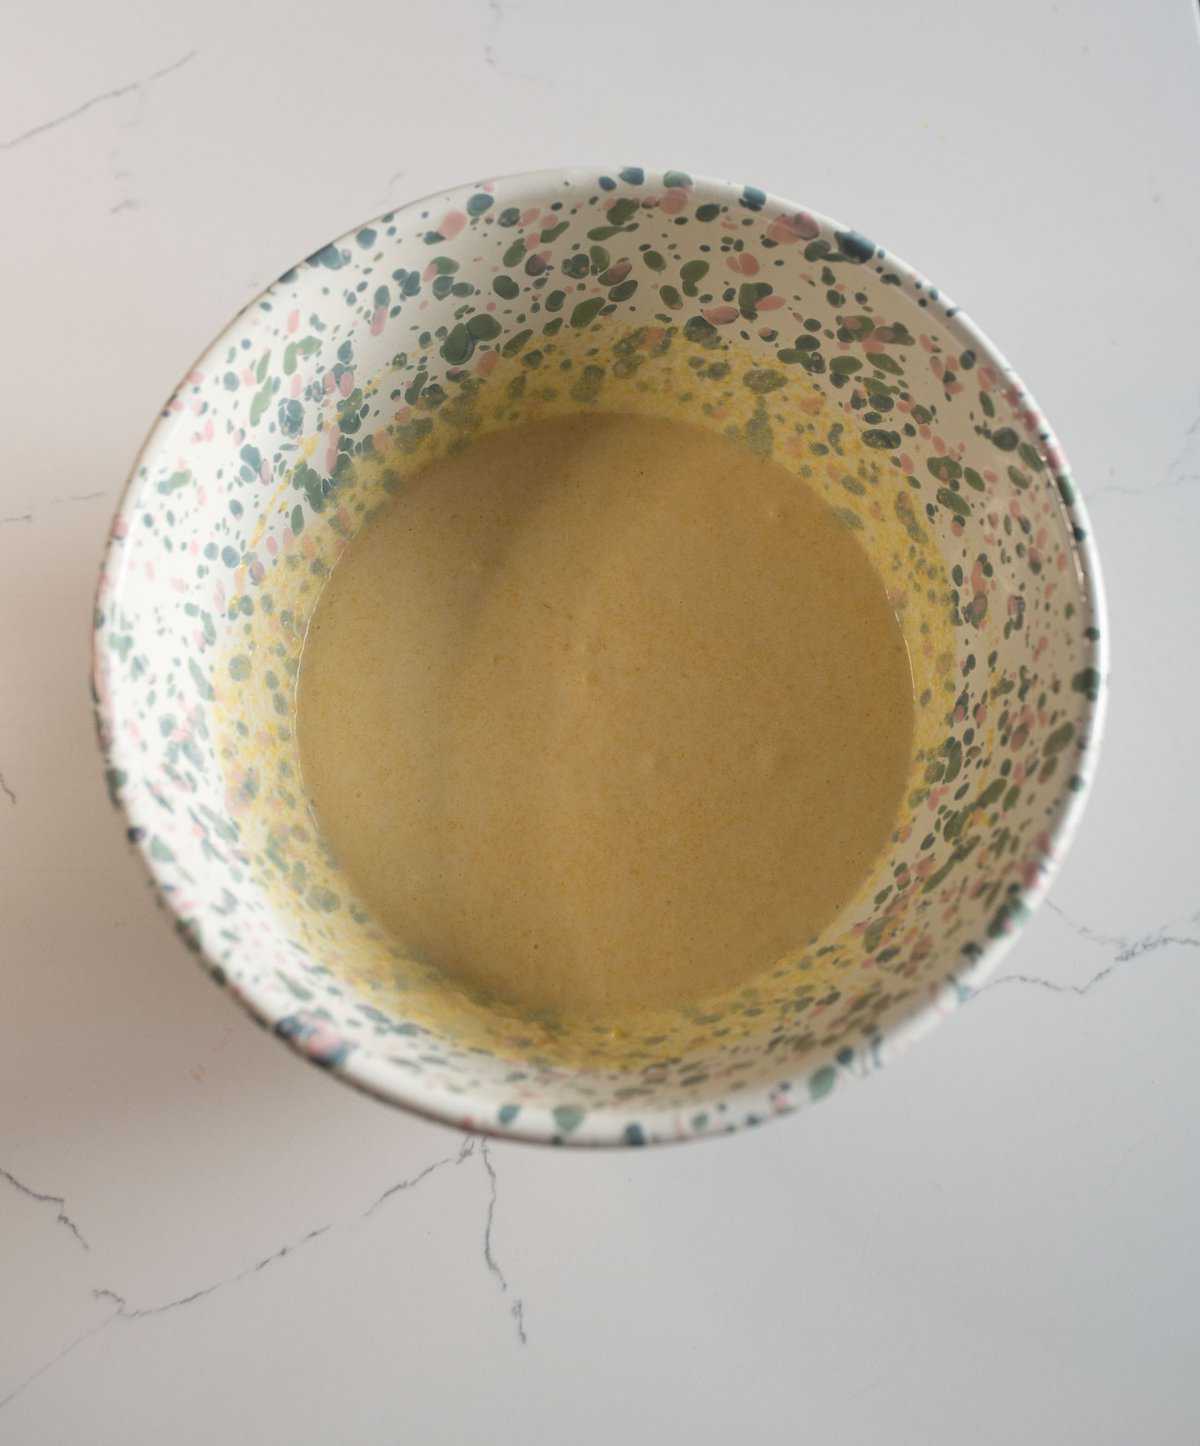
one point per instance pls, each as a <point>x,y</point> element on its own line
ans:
<point>564,787</point>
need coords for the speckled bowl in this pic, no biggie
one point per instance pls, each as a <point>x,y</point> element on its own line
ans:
<point>245,490</point>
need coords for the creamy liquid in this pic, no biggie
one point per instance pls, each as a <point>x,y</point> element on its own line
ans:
<point>605,713</point>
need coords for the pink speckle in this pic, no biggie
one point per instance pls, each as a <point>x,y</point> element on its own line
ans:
<point>401,415</point>
<point>800,226</point>
<point>346,382</point>
<point>149,571</point>
<point>770,303</point>
<point>378,317</point>
<point>293,321</point>
<point>452,223</point>
<point>295,387</point>
<point>119,528</point>
<point>742,263</point>
<point>720,315</point>
<point>331,448</point>
<point>486,363</point>
<point>195,378</point>
<point>272,546</point>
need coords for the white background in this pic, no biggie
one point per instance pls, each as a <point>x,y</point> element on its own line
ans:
<point>992,1242</point>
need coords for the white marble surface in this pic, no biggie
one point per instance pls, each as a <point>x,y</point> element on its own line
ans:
<point>202,1239</point>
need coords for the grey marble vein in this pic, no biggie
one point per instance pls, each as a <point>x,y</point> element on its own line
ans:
<point>106,95</point>
<point>7,791</point>
<point>1182,471</point>
<point>1126,948</point>
<point>517,1309</point>
<point>495,20</point>
<point>467,1149</point>
<point>28,1191</point>
<point>122,1310</point>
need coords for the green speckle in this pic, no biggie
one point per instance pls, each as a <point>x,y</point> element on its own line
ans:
<point>708,212</point>
<point>506,287</point>
<point>884,363</point>
<point>586,388</point>
<point>676,178</point>
<point>758,435</point>
<point>821,1081</point>
<point>506,1114</point>
<point>671,297</point>
<point>1059,739</point>
<point>696,329</point>
<point>239,668</point>
<point>567,1118</point>
<point>654,261</point>
<point>160,851</point>
<point>514,254</point>
<point>203,686</point>
<point>328,256</point>
<point>955,501</point>
<point>483,326</point>
<point>763,380</point>
<point>857,248</point>
<point>262,400</point>
<point>291,417</point>
<point>230,556</point>
<point>174,482</point>
<point>515,342</point>
<point>1088,683</point>
<point>587,311</point>
<point>366,237</point>
<point>884,440</point>
<point>691,273</point>
<point>306,346</point>
<point>1005,438</point>
<point>634,1134</point>
<point>844,366</point>
<point>479,203</point>
<point>458,346</point>
<point>945,469</point>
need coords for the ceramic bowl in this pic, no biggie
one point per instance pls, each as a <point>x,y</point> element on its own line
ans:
<point>572,286</point>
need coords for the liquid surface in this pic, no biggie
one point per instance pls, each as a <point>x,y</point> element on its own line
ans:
<point>605,713</point>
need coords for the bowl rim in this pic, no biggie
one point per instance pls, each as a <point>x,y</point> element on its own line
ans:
<point>755,1103</point>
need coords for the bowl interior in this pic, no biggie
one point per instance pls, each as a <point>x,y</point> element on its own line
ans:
<point>550,293</point>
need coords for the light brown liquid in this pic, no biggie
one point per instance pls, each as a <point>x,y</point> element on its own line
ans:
<point>605,713</point>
